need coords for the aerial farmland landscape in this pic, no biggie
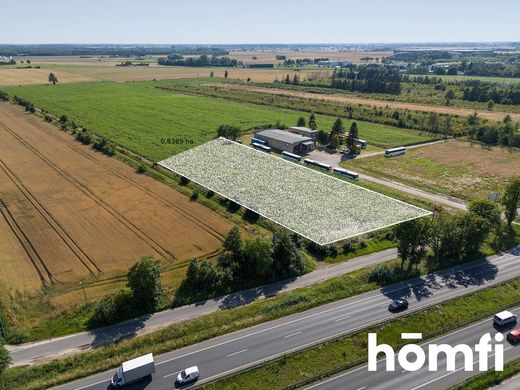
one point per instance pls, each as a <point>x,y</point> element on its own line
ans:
<point>260,195</point>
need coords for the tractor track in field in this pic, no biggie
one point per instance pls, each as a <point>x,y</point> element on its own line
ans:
<point>82,257</point>
<point>134,183</point>
<point>86,191</point>
<point>37,262</point>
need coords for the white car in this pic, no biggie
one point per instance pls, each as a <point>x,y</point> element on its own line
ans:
<point>504,317</point>
<point>188,375</point>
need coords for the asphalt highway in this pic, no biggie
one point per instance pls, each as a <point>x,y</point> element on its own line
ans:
<point>239,350</point>
<point>48,349</point>
<point>361,379</point>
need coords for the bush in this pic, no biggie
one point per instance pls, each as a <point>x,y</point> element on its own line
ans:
<point>47,118</point>
<point>85,137</point>
<point>194,195</point>
<point>104,146</point>
<point>380,274</point>
<point>64,119</point>
<point>141,169</point>
<point>113,308</point>
<point>184,181</point>
<point>5,359</point>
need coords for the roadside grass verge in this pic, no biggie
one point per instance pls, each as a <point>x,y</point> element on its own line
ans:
<point>179,335</point>
<point>310,365</point>
<point>490,378</point>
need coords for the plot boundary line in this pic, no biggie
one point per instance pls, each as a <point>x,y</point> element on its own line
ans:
<point>425,212</point>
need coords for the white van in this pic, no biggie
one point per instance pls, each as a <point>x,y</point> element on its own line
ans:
<point>504,317</point>
<point>188,375</point>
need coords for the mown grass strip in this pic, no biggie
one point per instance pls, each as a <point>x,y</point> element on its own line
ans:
<point>303,367</point>
<point>490,378</point>
<point>179,335</point>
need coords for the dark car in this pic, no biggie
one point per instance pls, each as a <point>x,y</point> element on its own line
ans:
<point>398,305</point>
<point>514,336</point>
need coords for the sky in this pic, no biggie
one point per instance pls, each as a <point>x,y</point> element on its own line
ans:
<point>259,21</point>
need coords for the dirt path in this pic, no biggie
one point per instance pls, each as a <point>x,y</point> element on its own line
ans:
<point>344,99</point>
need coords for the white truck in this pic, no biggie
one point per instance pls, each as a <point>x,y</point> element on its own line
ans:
<point>133,370</point>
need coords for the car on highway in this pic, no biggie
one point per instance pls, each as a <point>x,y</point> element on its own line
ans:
<point>398,305</point>
<point>188,375</point>
<point>504,318</point>
<point>514,336</point>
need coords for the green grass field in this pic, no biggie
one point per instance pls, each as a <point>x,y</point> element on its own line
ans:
<point>140,117</point>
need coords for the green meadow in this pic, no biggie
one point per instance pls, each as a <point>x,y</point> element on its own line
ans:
<point>141,117</point>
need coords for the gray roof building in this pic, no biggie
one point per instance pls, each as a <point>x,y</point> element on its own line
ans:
<point>305,131</point>
<point>286,141</point>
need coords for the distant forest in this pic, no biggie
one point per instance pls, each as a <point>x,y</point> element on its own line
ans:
<point>107,50</point>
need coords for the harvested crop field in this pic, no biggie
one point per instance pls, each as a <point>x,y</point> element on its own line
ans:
<point>92,72</point>
<point>454,168</point>
<point>69,213</point>
<point>352,99</point>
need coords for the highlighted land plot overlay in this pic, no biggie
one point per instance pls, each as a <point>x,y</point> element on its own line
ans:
<point>317,206</point>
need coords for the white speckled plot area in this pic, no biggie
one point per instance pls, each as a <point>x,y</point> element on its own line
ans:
<point>317,206</point>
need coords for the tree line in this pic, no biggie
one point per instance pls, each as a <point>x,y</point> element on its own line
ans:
<point>243,264</point>
<point>478,91</point>
<point>367,79</point>
<point>203,60</point>
<point>503,134</point>
<point>446,238</point>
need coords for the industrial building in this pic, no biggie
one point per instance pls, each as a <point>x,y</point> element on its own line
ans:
<point>305,131</point>
<point>286,141</point>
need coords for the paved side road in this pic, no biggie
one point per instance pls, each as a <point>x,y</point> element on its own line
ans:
<point>248,347</point>
<point>48,349</point>
<point>361,378</point>
<point>335,159</point>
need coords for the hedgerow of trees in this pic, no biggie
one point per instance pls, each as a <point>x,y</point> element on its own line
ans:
<point>142,294</point>
<point>242,264</point>
<point>203,60</point>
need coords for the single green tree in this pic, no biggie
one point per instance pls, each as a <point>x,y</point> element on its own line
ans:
<point>301,122</point>
<point>312,121</point>
<point>287,259</point>
<point>258,260</point>
<point>144,280</point>
<point>511,199</point>
<point>353,134</point>
<point>412,239</point>
<point>52,78</point>
<point>226,74</point>
<point>487,210</point>
<point>337,128</point>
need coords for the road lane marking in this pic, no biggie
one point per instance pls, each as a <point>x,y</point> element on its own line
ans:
<point>453,372</point>
<point>341,318</point>
<point>292,334</point>
<point>236,353</point>
<point>172,374</point>
<point>362,388</point>
<point>408,286</point>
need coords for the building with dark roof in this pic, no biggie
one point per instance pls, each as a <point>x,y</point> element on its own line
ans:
<point>286,141</point>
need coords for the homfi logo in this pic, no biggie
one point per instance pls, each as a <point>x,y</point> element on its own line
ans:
<point>412,356</point>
